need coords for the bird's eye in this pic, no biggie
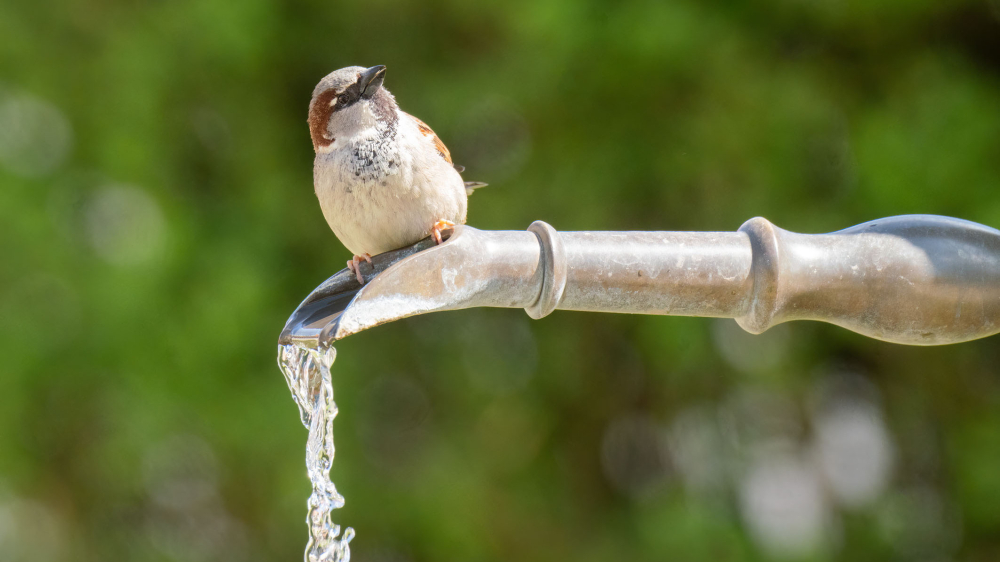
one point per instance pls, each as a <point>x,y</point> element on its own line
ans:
<point>343,99</point>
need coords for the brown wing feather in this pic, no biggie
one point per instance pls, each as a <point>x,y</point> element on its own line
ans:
<point>428,132</point>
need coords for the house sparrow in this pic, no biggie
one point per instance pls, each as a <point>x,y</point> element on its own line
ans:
<point>383,178</point>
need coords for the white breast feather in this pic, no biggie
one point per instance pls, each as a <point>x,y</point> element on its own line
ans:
<point>410,187</point>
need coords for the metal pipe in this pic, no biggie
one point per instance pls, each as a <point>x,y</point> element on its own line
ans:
<point>917,279</point>
<point>674,273</point>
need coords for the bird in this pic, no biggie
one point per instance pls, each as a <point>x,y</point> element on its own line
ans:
<point>383,178</point>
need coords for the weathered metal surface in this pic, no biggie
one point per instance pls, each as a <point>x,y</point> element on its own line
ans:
<point>918,279</point>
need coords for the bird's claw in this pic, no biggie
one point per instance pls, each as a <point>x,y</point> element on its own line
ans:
<point>354,264</point>
<point>439,227</point>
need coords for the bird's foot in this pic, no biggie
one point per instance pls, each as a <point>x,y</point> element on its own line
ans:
<point>439,227</point>
<point>354,264</point>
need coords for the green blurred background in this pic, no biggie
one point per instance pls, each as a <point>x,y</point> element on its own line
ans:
<point>158,225</point>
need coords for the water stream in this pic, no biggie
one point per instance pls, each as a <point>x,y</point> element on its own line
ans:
<point>307,372</point>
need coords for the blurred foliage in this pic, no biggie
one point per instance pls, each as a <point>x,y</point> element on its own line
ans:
<point>158,225</point>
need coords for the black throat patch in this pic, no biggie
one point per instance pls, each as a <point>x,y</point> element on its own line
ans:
<point>374,159</point>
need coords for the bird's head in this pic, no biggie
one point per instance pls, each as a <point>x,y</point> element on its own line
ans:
<point>348,102</point>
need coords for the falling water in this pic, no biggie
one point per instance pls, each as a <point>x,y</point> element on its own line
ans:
<point>307,372</point>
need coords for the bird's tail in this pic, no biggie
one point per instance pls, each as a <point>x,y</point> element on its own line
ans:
<point>471,186</point>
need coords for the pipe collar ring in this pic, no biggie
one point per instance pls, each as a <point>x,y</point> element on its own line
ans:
<point>552,260</point>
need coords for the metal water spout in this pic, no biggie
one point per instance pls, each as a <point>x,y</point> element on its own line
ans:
<point>915,279</point>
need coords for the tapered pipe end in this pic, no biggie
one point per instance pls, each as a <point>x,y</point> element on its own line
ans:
<point>471,268</point>
<point>328,301</point>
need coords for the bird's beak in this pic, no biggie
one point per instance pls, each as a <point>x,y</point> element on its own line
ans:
<point>371,80</point>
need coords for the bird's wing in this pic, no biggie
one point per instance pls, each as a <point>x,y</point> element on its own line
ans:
<point>428,132</point>
<point>470,186</point>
